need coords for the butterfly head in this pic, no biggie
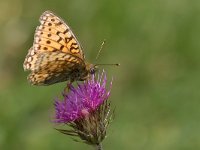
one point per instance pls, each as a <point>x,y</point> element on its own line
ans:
<point>91,68</point>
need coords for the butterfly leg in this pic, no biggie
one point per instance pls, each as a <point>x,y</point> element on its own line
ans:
<point>68,87</point>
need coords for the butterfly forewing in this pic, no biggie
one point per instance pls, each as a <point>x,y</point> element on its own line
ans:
<point>54,33</point>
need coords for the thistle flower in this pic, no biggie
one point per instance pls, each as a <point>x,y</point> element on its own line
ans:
<point>86,109</point>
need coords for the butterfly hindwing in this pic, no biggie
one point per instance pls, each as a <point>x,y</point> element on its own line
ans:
<point>53,67</point>
<point>31,58</point>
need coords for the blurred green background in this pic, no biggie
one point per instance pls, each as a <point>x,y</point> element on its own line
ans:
<point>155,90</point>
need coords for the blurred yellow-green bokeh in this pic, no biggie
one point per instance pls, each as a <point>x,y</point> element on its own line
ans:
<point>155,90</point>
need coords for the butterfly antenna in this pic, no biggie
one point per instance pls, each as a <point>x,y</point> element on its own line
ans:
<point>117,64</point>
<point>102,44</point>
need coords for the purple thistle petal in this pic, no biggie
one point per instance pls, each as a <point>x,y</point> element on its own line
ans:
<point>81,100</point>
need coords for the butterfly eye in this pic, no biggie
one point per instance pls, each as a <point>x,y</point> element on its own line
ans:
<point>92,71</point>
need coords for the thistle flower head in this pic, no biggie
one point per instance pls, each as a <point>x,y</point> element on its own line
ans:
<point>86,109</point>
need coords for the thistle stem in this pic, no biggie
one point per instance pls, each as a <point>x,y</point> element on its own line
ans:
<point>99,147</point>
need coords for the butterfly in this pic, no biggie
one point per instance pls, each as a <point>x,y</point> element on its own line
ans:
<point>56,54</point>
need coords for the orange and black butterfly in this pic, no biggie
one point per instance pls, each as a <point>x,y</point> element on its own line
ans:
<point>56,54</point>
